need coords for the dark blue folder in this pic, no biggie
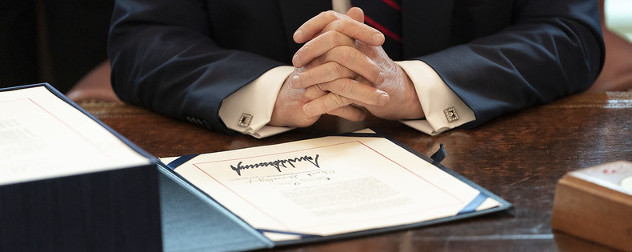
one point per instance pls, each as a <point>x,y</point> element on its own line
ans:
<point>193,221</point>
<point>114,210</point>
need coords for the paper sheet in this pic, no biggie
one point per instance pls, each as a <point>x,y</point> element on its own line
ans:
<point>41,136</point>
<point>328,186</point>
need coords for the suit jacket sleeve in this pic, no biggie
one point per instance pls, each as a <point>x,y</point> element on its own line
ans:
<point>164,58</point>
<point>552,49</point>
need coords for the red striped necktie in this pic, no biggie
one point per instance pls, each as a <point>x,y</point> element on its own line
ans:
<point>386,16</point>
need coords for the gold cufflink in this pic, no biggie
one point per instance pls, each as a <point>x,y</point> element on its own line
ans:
<point>245,119</point>
<point>450,114</point>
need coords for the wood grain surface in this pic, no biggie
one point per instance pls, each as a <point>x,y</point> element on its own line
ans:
<point>519,157</point>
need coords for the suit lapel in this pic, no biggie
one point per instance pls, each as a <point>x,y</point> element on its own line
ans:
<point>426,26</point>
<point>295,13</point>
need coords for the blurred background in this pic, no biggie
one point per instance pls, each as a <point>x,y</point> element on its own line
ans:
<point>616,74</point>
<point>63,42</point>
<point>619,17</point>
<point>55,41</point>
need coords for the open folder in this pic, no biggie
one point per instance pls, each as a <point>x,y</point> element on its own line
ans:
<point>311,190</point>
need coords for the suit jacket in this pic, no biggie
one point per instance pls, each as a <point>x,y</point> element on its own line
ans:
<point>183,57</point>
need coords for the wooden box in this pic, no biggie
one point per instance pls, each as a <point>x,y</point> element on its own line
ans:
<point>596,204</point>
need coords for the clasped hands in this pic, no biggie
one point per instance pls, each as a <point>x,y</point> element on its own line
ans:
<point>342,70</point>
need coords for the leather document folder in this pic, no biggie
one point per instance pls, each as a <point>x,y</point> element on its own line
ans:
<point>311,190</point>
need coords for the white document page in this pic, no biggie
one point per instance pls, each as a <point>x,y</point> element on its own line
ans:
<point>328,186</point>
<point>41,136</point>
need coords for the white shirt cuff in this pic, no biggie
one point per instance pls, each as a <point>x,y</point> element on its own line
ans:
<point>250,108</point>
<point>444,110</point>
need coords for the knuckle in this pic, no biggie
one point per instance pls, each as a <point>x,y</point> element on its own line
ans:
<point>337,69</point>
<point>310,93</point>
<point>321,106</point>
<point>345,22</point>
<point>336,100</point>
<point>345,55</point>
<point>331,37</point>
<point>346,26</point>
<point>344,40</point>
<point>330,14</point>
<point>376,76</point>
<point>337,25</point>
<point>336,38</point>
<point>322,87</point>
<point>345,87</point>
<point>351,28</point>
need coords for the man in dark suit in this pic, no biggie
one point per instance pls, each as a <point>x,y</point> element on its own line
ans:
<point>214,62</point>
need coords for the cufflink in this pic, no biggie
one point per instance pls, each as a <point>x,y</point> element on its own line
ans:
<point>450,114</point>
<point>245,119</point>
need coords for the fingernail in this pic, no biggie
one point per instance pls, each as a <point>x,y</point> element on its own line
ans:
<point>308,109</point>
<point>298,34</point>
<point>295,81</point>
<point>378,39</point>
<point>384,98</point>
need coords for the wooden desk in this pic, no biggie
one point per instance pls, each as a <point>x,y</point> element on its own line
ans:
<point>519,157</point>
